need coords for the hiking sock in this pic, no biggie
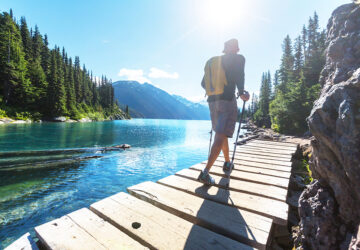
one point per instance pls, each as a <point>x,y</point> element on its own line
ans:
<point>205,171</point>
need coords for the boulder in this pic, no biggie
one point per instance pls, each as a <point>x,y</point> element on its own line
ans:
<point>87,119</point>
<point>59,119</point>
<point>330,207</point>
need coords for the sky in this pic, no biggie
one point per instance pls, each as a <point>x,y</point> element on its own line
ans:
<point>166,43</point>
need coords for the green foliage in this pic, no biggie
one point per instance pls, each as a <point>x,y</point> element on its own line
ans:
<point>289,111</point>
<point>37,81</point>
<point>296,82</point>
<point>261,116</point>
<point>2,113</point>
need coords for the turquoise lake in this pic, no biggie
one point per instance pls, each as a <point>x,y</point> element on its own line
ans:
<point>37,189</point>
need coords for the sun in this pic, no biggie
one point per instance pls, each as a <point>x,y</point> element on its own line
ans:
<point>223,13</point>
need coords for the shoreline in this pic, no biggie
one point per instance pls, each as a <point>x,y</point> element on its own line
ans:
<point>6,120</point>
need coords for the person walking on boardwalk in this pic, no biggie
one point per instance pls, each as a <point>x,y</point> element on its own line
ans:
<point>222,75</point>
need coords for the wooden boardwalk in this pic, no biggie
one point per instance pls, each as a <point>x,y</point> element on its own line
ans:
<point>178,212</point>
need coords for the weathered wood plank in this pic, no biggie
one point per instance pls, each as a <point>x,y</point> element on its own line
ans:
<point>253,169</point>
<point>291,144</point>
<point>105,233</point>
<point>268,150</point>
<point>252,177</point>
<point>63,233</point>
<point>278,147</point>
<point>238,224</point>
<point>242,186</point>
<point>249,166</point>
<point>274,209</point>
<point>285,160</point>
<point>244,150</point>
<point>157,228</point>
<point>25,242</point>
<point>255,158</point>
<point>272,147</point>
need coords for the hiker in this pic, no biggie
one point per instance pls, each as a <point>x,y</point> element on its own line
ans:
<point>222,74</point>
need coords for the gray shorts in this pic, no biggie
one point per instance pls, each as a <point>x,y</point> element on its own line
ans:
<point>223,116</point>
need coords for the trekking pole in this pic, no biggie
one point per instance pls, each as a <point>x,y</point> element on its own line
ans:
<point>210,142</point>
<point>237,137</point>
<point>238,132</point>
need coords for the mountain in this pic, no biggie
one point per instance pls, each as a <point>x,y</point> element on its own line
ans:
<point>198,108</point>
<point>153,102</point>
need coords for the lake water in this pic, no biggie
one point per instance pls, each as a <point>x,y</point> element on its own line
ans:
<point>32,193</point>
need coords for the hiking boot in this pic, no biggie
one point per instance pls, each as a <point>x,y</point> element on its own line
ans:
<point>228,167</point>
<point>206,179</point>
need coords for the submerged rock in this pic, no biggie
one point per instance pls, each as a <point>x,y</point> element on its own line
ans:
<point>330,211</point>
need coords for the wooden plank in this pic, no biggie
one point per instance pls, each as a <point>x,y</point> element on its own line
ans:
<point>63,233</point>
<point>105,233</point>
<point>263,145</point>
<point>25,242</point>
<point>156,228</point>
<point>242,186</point>
<point>276,210</point>
<point>261,153</point>
<point>252,177</point>
<point>253,158</point>
<point>252,166</point>
<point>284,160</point>
<point>238,224</point>
<point>291,144</point>
<point>278,144</point>
<point>253,169</point>
<point>268,150</point>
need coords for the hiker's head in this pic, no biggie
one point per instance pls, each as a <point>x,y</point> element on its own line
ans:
<point>231,46</point>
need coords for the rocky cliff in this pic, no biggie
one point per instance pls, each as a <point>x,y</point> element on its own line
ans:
<point>330,207</point>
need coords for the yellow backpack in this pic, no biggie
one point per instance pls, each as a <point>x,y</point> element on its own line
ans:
<point>215,78</point>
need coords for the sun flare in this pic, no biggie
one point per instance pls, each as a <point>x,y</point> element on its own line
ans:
<point>223,13</point>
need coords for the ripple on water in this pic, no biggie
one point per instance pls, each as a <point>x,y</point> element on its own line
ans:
<point>31,197</point>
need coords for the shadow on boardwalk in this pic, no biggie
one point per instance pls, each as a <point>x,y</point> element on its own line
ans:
<point>226,216</point>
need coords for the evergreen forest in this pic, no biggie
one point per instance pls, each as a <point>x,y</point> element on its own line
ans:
<point>37,82</point>
<point>286,98</point>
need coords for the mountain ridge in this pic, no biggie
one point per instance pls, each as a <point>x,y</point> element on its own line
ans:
<point>156,103</point>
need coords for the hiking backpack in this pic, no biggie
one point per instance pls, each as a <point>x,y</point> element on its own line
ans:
<point>215,78</point>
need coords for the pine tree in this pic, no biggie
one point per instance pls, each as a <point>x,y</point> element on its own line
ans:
<point>56,91</point>
<point>45,56</point>
<point>36,73</point>
<point>298,59</point>
<point>16,87</point>
<point>287,65</point>
<point>78,80</point>
<point>26,39</point>
<point>70,90</point>
<point>262,116</point>
<point>315,56</point>
<point>304,41</point>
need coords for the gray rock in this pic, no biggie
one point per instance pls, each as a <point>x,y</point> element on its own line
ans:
<point>59,119</point>
<point>329,211</point>
<point>87,119</point>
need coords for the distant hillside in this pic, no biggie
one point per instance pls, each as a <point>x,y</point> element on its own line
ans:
<point>153,102</point>
<point>133,113</point>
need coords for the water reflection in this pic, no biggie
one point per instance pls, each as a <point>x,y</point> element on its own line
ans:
<point>33,196</point>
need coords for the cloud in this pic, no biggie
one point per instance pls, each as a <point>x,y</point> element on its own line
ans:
<point>158,73</point>
<point>134,75</point>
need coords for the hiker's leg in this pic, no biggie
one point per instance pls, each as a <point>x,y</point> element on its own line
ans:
<point>225,150</point>
<point>215,149</point>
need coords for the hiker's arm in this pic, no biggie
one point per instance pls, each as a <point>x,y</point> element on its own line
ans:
<point>241,78</point>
